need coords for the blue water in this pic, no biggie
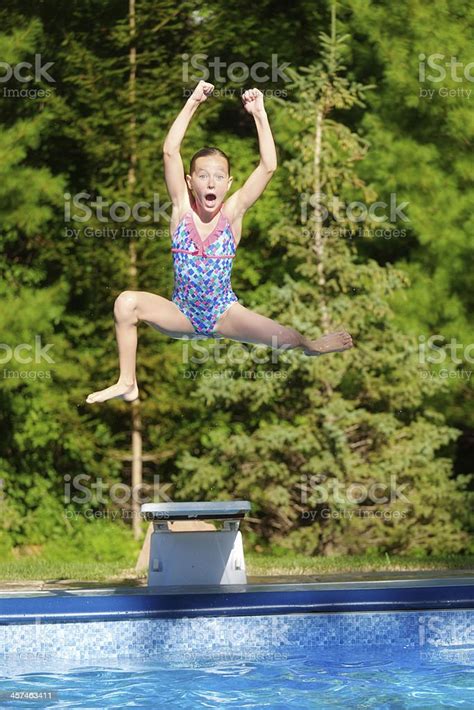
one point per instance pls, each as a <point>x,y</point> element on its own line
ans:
<point>376,678</point>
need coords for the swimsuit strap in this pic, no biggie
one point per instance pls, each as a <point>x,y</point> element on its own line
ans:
<point>201,245</point>
<point>213,236</point>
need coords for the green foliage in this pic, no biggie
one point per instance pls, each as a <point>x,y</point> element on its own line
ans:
<point>420,149</point>
<point>100,541</point>
<point>298,426</point>
<point>357,419</point>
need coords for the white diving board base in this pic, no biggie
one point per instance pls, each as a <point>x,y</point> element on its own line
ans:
<point>196,557</point>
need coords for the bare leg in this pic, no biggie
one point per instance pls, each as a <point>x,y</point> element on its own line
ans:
<point>241,324</point>
<point>131,307</point>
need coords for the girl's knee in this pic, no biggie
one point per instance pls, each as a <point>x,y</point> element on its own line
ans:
<point>125,302</point>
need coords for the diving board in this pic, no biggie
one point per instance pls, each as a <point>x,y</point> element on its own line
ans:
<point>196,557</point>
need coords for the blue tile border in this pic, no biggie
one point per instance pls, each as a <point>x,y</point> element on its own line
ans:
<point>243,637</point>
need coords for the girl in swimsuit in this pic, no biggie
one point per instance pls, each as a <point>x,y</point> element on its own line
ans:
<point>206,230</point>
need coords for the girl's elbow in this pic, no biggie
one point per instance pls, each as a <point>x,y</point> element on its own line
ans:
<point>169,149</point>
<point>270,168</point>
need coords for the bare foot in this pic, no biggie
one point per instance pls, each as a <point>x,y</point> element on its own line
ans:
<point>330,343</point>
<point>119,390</point>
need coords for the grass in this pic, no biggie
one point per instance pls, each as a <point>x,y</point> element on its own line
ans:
<point>31,569</point>
<point>300,564</point>
<point>34,569</point>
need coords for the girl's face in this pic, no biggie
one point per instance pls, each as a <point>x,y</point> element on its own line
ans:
<point>209,182</point>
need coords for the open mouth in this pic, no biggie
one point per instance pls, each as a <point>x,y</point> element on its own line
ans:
<point>210,198</point>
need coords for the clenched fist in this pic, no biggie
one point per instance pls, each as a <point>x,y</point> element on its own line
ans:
<point>253,101</point>
<point>201,92</point>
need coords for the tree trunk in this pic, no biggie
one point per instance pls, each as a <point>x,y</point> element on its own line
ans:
<point>316,218</point>
<point>136,420</point>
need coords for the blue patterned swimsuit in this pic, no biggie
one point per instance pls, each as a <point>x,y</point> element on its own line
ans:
<point>202,270</point>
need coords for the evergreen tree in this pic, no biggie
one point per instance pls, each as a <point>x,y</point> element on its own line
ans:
<point>315,426</point>
<point>336,432</point>
<point>420,125</point>
<point>41,436</point>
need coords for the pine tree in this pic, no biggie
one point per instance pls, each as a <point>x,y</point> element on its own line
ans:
<point>319,443</point>
<point>421,140</point>
<point>315,426</point>
<point>40,439</point>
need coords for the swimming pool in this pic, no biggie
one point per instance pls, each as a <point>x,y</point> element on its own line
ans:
<point>252,647</point>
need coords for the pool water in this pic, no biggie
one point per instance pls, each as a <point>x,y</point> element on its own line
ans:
<point>379,677</point>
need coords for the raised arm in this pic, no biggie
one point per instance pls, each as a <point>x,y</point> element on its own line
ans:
<point>261,176</point>
<point>174,169</point>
